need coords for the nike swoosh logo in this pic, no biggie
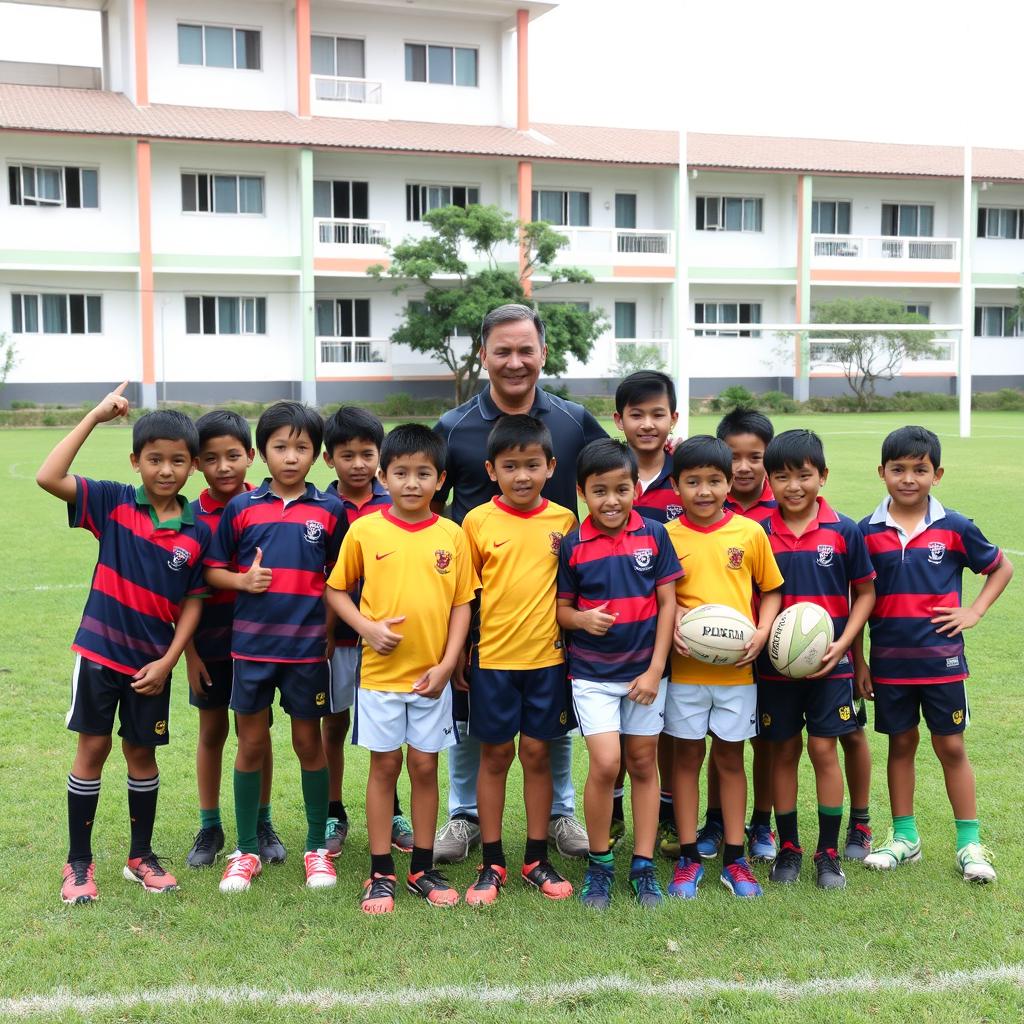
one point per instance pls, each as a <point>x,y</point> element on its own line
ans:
<point>498,543</point>
<point>385,555</point>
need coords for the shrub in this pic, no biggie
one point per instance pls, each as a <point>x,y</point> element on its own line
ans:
<point>731,397</point>
<point>1005,399</point>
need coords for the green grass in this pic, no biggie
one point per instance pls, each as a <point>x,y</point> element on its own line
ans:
<point>919,921</point>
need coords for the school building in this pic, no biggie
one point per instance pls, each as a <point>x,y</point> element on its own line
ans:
<point>198,214</point>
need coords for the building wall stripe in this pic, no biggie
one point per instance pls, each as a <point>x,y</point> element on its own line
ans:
<point>141,40</point>
<point>70,258</point>
<point>217,261</point>
<point>885,276</point>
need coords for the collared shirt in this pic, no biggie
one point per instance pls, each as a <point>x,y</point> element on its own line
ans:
<point>659,500</point>
<point>918,572</point>
<point>623,572</point>
<point>760,510</point>
<point>819,566</point>
<point>145,570</point>
<point>515,554</point>
<point>300,539</point>
<point>467,427</point>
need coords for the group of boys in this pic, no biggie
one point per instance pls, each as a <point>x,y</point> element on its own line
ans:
<point>362,597</point>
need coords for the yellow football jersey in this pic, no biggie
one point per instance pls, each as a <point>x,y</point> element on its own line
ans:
<point>722,564</point>
<point>515,555</point>
<point>421,571</point>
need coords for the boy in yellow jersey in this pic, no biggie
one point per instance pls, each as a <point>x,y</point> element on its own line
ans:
<point>413,618</point>
<point>725,556</point>
<point>517,671</point>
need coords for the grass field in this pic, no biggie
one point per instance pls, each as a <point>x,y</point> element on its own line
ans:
<point>917,943</point>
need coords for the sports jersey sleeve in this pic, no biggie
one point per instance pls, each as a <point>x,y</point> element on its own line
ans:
<point>568,581</point>
<point>94,501</point>
<point>335,540</point>
<point>466,581</point>
<point>471,530</point>
<point>766,569</point>
<point>348,569</point>
<point>224,545</point>
<point>859,567</point>
<point>980,554</point>
<point>667,567</point>
<point>197,584</point>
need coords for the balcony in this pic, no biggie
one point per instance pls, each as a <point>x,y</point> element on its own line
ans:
<point>639,246</point>
<point>885,252</point>
<point>337,89</point>
<point>358,237</point>
<point>353,357</point>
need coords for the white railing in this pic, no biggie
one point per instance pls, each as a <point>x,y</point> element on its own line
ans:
<point>360,351</point>
<point>347,90</point>
<point>351,231</point>
<point>828,351</point>
<point>885,247</point>
<point>634,241</point>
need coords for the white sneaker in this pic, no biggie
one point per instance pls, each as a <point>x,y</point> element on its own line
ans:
<point>892,853</point>
<point>569,836</point>
<point>320,873</point>
<point>241,869</point>
<point>975,862</point>
<point>454,840</point>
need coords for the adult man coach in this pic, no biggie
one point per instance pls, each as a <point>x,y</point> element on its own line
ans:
<point>513,352</point>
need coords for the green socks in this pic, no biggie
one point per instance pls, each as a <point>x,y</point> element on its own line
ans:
<point>967,831</point>
<point>210,818</point>
<point>247,803</point>
<point>905,827</point>
<point>314,796</point>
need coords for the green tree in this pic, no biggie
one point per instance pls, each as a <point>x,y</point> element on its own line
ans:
<point>634,357</point>
<point>8,358</point>
<point>446,322</point>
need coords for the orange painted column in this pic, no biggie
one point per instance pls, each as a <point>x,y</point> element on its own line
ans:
<point>525,190</point>
<point>141,54</point>
<point>144,187</point>
<point>302,55</point>
<point>522,71</point>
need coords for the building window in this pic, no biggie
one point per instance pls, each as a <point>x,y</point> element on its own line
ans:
<point>61,314</point>
<point>225,314</point>
<point>338,57</point>
<point>221,193</point>
<point>561,208</point>
<point>421,199</point>
<point>71,187</point>
<point>923,309</point>
<point>217,46</point>
<point>341,200</point>
<point>997,322</point>
<point>441,65</point>
<point>995,222</point>
<point>830,217</point>
<point>343,318</point>
<point>729,213</point>
<point>909,220</point>
<point>727,313</point>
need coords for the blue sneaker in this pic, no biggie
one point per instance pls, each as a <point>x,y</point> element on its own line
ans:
<point>740,881</point>
<point>709,839</point>
<point>761,843</point>
<point>646,887</point>
<point>685,879</point>
<point>597,887</point>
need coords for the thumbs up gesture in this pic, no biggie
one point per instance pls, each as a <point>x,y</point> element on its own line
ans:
<point>257,579</point>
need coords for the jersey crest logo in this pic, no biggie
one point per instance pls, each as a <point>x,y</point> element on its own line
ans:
<point>844,712</point>
<point>314,531</point>
<point>321,699</point>
<point>766,719</point>
<point>442,560</point>
<point>643,557</point>
<point>958,716</point>
<point>160,728</point>
<point>673,512</point>
<point>735,558</point>
<point>826,552</point>
<point>556,541</point>
<point>936,549</point>
<point>179,559</point>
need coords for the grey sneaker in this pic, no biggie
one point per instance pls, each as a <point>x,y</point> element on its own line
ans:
<point>272,850</point>
<point>454,840</point>
<point>335,835</point>
<point>569,836</point>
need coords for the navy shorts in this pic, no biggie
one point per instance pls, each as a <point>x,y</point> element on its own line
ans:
<point>218,694</point>
<point>535,702</point>
<point>304,686</point>
<point>98,693</point>
<point>824,706</point>
<point>899,706</point>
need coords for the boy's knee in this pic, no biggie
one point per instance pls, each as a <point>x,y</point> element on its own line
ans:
<point>213,732</point>
<point>641,760</point>
<point>534,755</point>
<point>386,765</point>
<point>497,758</point>
<point>950,750</point>
<point>141,761</point>
<point>92,753</point>
<point>422,767</point>
<point>728,757</point>
<point>822,750</point>
<point>335,728</point>
<point>903,744</point>
<point>689,754</point>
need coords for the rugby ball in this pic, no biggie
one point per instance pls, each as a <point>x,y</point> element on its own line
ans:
<point>716,634</point>
<point>799,638</point>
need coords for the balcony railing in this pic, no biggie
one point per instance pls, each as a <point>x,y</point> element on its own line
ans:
<point>347,90</point>
<point>605,241</point>
<point>351,231</point>
<point>826,353</point>
<point>885,247</point>
<point>354,351</point>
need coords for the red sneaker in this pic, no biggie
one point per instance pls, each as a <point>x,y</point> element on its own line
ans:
<point>148,872</point>
<point>320,873</point>
<point>488,884</point>
<point>79,886</point>
<point>241,869</point>
<point>379,895</point>
<point>433,887</point>
<point>546,880</point>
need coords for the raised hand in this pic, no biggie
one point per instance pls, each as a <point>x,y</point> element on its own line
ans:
<point>113,406</point>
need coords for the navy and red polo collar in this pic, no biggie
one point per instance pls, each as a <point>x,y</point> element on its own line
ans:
<point>825,515</point>
<point>588,531</point>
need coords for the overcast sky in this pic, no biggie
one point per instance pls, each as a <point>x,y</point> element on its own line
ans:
<point>891,70</point>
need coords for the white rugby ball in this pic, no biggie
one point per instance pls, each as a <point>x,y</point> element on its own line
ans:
<point>716,634</point>
<point>799,638</point>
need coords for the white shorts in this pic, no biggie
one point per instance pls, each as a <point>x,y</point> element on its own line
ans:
<point>693,711</point>
<point>385,721</point>
<point>604,707</point>
<point>345,664</point>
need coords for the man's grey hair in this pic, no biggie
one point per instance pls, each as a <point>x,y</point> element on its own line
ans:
<point>509,313</point>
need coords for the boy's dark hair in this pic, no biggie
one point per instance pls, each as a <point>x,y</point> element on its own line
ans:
<point>413,439</point>
<point>164,425</point>
<point>297,416</point>
<point>519,431</point>
<point>224,423</point>
<point>604,455</point>
<point>700,451</point>
<point>912,442</point>
<point>642,386</point>
<point>351,423</point>
<point>745,421</point>
<point>791,449</point>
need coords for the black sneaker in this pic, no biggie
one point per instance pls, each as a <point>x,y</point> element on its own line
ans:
<point>433,887</point>
<point>830,874</point>
<point>207,847</point>
<point>786,869</point>
<point>858,841</point>
<point>272,850</point>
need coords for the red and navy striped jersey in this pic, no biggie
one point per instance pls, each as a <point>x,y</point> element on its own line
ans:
<point>345,635</point>
<point>300,540</point>
<point>760,510</point>
<point>213,634</point>
<point>658,500</point>
<point>144,572</point>
<point>917,573</point>
<point>819,566</point>
<point>625,571</point>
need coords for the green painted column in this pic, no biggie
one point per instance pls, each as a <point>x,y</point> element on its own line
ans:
<point>805,201</point>
<point>307,280</point>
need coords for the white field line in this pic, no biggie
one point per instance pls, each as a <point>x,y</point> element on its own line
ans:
<point>43,587</point>
<point>65,1001</point>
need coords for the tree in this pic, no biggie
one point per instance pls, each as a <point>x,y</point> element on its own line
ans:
<point>446,322</point>
<point>633,357</point>
<point>869,356</point>
<point>8,359</point>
